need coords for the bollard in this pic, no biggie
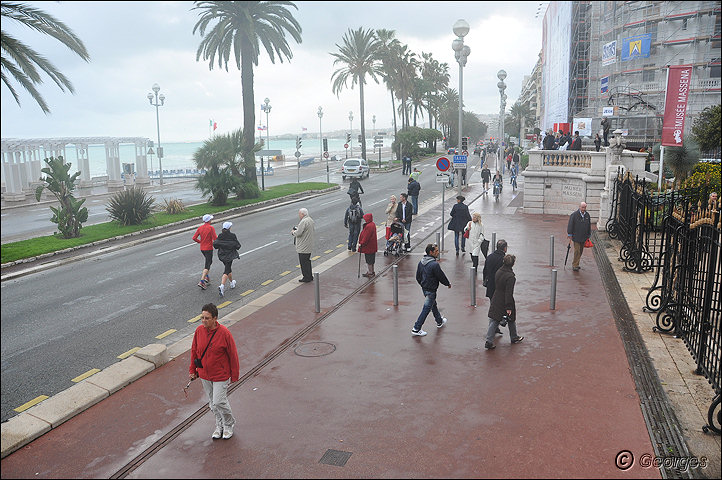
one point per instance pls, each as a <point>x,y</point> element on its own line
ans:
<point>318,292</point>
<point>493,242</point>
<point>553,300</point>
<point>551,250</point>
<point>395,270</point>
<point>438,242</point>
<point>472,285</point>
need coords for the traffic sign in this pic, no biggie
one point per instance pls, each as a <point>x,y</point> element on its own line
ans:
<point>443,164</point>
<point>297,154</point>
<point>459,161</point>
<point>442,178</point>
<point>325,154</point>
<point>345,145</point>
<point>465,152</point>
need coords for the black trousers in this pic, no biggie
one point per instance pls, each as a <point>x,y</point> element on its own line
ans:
<point>305,260</point>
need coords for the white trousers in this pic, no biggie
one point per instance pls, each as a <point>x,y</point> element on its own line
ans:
<point>218,402</point>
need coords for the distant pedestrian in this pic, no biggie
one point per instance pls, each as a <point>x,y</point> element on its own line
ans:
<point>712,201</point>
<point>352,220</point>
<point>390,214</point>
<point>413,189</point>
<point>429,274</point>
<point>415,174</point>
<point>214,358</point>
<point>227,244</point>
<point>516,159</point>
<point>597,142</point>
<point>304,234</point>
<point>549,141</point>
<point>491,265</point>
<point>476,236</point>
<point>579,229</point>
<point>606,126</point>
<point>485,177</point>
<point>502,310</point>
<point>206,235</point>
<point>368,244</point>
<point>354,189</point>
<point>460,216</point>
<point>405,214</point>
<point>576,143</point>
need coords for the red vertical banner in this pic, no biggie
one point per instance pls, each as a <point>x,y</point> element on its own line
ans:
<point>675,105</point>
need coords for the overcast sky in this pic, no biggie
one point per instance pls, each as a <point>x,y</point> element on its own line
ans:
<point>133,45</point>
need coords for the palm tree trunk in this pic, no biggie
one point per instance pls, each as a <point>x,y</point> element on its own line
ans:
<point>363,122</point>
<point>393,108</point>
<point>249,111</point>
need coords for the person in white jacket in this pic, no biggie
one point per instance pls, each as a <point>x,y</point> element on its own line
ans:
<point>476,236</point>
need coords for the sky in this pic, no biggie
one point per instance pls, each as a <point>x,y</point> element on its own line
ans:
<point>133,45</point>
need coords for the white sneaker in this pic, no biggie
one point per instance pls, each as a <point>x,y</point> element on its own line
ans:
<point>227,432</point>
<point>420,333</point>
<point>217,433</point>
<point>443,322</point>
<point>221,289</point>
<point>233,284</point>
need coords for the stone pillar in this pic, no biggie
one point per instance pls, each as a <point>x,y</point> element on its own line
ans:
<point>141,164</point>
<point>83,162</point>
<point>112,163</point>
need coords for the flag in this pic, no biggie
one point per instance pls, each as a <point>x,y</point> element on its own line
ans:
<point>215,125</point>
<point>261,127</point>
<point>211,123</point>
<point>605,84</point>
<point>679,80</point>
<point>638,46</point>
<point>303,129</point>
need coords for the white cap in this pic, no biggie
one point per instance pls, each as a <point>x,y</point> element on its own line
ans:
<point>207,217</point>
<point>227,225</point>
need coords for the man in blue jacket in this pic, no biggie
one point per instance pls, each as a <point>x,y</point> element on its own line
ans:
<point>429,275</point>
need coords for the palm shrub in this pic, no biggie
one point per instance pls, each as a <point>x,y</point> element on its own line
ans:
<point>130,207</point>
<point>173,206</point>
<point>71,214</point>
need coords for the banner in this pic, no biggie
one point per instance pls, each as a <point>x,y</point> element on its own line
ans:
<point>604,83</point>
<point>607,111</point>
<point>638,46</point>
<point>675,105</point>
<point>583,125</point>
<point>609,53</point>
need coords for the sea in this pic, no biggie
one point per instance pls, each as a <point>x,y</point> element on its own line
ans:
<point>179,156</point>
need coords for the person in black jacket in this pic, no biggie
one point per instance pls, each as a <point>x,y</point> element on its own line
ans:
<point>491,265</point>
<point>413,191</point>
<point>460,217</point>
<point>429,275</point>
<point>579,229</point>
<point>502,309</point>
<point>576,143</point>
<point>354,189</point>
<point>352,220</point>
<point>405,214</point>
<point>227,245</point>
<point>549,141</point>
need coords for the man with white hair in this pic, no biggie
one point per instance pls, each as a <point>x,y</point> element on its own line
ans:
<point>579,229</point>
<point>304,234</point>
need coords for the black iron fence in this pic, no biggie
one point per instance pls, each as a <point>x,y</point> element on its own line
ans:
<point>678,234</point>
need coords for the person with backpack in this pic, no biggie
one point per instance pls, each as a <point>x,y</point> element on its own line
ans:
<point>352,220</point>
<point>413,190</point>
<point>354,189</point>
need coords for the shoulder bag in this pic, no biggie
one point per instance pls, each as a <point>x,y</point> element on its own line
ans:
<point>197,361</point>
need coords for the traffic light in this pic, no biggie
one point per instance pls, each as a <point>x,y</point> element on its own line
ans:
<point>298,144</point>
<point>348,138</point>
<point>464,144</point>
<point>325,144</point>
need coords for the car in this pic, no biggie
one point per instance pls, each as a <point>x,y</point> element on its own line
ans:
<point>453,151</point>
<point>355,167</point>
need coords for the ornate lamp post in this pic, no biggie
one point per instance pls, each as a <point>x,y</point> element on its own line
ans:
<point>350,119</point>
<point>461,52</point>
<point>501,75</point>
<point>320,140</point>
<point>266,107</point>
<point>161,97</point>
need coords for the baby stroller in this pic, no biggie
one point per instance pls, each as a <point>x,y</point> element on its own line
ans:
<point>395,241</point>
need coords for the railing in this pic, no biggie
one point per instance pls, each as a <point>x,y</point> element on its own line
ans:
<point>573,158</point>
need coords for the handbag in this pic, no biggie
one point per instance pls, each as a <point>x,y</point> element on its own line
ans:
<point>484,247</point>
<point>198,361</point>
<point>466,234</point>
<point>588,244</point>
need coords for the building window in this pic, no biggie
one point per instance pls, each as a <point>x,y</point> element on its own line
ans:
<point>684,24</point>
<point>648,73</point>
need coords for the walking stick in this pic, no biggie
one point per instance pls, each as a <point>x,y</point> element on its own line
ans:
<point>359,265</point>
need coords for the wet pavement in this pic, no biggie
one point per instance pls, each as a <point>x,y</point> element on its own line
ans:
<point>349,392</point>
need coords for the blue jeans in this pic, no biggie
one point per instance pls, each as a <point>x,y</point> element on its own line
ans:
<point>429,306</point>
<point>415,203</point>
<point>354,229</point>
<point>456,240</point>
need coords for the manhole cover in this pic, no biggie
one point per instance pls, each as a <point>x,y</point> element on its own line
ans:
<point>315,349</point>
<point>337,458</point>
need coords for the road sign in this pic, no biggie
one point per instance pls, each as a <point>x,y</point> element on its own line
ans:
<point>269,153</point>
<point>465,152</point>
<point>459,161</point>
<point>325,154</point>
<point>442,178</point>
<point>345,145</point>
<point>443,164</point>
<point>297,154</point>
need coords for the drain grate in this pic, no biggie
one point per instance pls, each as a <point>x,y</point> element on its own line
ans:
<point>335,457</point>
<point>314,349</point>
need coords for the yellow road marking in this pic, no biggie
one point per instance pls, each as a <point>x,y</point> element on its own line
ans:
<point>340,245</point>
<point>328,251</point>
<point>166,333</point>
<point>283,274</point>
<point>247,292</point>
<point>298,266</point>
<point>266,282</point>
<point>225,304</point>
<point>194,319</point>
<point>128,353</point>
<point>316,257</point>
<point>85,375</point>
<point>31,403</point>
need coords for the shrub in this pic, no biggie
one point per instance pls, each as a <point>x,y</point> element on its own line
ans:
<point>130,207</point>
<point>248,190</point>
<point>173,206</point>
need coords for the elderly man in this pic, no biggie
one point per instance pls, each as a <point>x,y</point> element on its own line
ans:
<point>579,229</point>
<point>304,234</point>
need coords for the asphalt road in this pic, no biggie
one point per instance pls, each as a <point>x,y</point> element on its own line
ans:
<point>64,322</point>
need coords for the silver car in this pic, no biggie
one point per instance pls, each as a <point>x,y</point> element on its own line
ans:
<point>355,167</point>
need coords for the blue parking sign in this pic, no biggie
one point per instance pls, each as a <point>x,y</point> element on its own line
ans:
<point>460,161</point>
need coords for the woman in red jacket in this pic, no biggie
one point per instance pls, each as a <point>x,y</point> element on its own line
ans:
<point>367,244</point>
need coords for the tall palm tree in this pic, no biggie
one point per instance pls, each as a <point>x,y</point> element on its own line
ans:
<point>519,114</point>
<point>420,89</point>
<point>22,62</point>
<point>359,56</point>
<point>386,53</point>
<point>407,65</point>
<point>437,74</point>
<point>241,27</point>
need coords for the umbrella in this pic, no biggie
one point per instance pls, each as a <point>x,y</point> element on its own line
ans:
<point>569,246</point>
<point>359,265</point>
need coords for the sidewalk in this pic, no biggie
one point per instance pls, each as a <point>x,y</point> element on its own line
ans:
<point>352,386</point>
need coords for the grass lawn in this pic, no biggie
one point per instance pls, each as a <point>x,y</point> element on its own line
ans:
<point>11,252</point>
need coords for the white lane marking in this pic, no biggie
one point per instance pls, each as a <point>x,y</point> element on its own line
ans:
<point>192,244</point>
<point>258,248</point>
<point>184,246</point>
<point>329,203</point>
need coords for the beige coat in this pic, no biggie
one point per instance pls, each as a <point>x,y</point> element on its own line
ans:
<point>305,233</point>
<point>390,213</point>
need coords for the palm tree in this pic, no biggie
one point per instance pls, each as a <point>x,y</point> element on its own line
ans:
<point>22,62</point>
<point>518,114</point>
<point>359,56</point>
<point>241,27</point>
<point>386,53</point>
<point>449,114</point>
<point>679,160</point>
<point>407,65</point>
<point>437,74</point>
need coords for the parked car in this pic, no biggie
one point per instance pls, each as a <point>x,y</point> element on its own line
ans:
<point>355,167</point>
<point>453,151</point>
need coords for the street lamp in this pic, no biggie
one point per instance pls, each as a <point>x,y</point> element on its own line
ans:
<point>501,75</point>
<point>350,119</point>
<point>265,107</point>
<point>320,140</point>
<point>373,120</point>
<point>161,97</point>
<point>461,52</point>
